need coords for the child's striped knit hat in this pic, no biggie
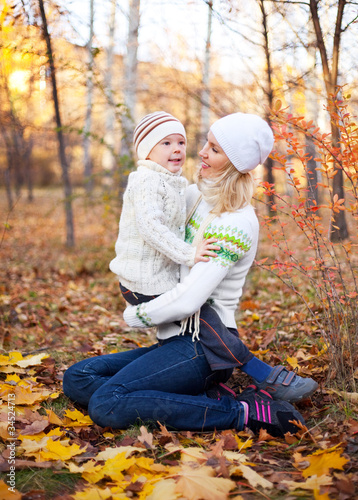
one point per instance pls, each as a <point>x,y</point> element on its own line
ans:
<point>152,129</point>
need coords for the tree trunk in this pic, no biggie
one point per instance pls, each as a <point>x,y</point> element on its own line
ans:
<point>108,158</point>
<point>7,173</point>
<point>339,228</point>
<point>312,198</point>
<point>205,93</point>
<point>130,80</point>
<point>70,238</point>
<point>268,176</point>
<point>87,128</point>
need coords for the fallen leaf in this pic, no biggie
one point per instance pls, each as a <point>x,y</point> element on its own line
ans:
<point>313,483</point>
<point>57,451</point>
<point>322,461</point>
<point>165,489</point>
<point>196,484</point>
<point>94,493</point>
<point>254,478</point>
<point>113,452</point>
<point>146,438</point>
<point>31,360</point>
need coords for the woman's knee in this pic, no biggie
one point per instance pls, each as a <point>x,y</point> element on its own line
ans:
<point>109,410</point>
<point>69,381</point>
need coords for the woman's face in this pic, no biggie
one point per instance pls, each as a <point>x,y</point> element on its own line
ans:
<point>213,158</point>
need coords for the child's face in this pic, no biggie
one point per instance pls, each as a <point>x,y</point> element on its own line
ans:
<point>214,160</point>
<point>170,152</point>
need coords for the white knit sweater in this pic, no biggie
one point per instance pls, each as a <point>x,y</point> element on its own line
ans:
<point>221,279</point>
<point>150,244</point>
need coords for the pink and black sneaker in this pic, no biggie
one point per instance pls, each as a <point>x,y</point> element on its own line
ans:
<point>263,412</point>
<point>217,391</point>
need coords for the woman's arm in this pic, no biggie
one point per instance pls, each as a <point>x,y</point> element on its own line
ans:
<point>182,301</point>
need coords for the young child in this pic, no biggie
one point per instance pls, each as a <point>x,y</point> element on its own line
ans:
<point>150,244</point>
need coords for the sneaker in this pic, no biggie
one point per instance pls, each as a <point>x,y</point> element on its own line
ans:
<point>217,391</point>
<point>263,412</point>
<point>287,386</point>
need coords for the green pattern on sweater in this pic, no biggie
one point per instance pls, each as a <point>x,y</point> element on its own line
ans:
<point>235,243</point>
<point>143,316</point>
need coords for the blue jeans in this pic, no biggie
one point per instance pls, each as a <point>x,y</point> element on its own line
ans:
<point>163,383</point>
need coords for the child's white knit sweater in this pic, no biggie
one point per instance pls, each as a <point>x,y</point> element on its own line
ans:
<point>150,244</point>
<point>221,279</point>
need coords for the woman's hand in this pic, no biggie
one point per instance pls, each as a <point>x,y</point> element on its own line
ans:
<point>205,250</point>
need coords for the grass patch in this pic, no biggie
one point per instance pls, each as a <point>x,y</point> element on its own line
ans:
<point>53,483</point>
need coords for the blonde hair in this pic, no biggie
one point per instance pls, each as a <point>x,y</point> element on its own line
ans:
<point>229,191</point>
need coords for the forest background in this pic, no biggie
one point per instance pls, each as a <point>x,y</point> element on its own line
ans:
<point>74,79</point>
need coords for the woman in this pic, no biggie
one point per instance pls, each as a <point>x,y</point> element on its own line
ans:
<point>167,382</point>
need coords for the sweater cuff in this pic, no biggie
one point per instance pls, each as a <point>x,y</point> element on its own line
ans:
<point>191,261</point>
<point>133,316</point>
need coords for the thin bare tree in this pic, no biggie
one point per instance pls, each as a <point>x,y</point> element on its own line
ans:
<point>108,158</point>
<point>205,93</point>
<point>339,229</point>
<point>70,236</point>
<point>88,119</point>
<point>269,91</point>
<point>130,79</point>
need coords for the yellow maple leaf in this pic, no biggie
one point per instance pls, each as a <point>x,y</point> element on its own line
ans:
<point>293,362</point>
<point>143,463</point>
<point>93,493</point>
<point>12,358</point>
<point>113,468</point>
<point>243,444</point>
<point>77,418</point>
<point>323,460</point>
<point>53,418</point>
<point>57,451</point>
<point>195,484</point>
<point>13,378</point>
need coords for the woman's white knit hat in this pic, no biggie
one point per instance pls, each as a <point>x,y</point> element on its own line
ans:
<point>246,139</point>
<point>152,129</point>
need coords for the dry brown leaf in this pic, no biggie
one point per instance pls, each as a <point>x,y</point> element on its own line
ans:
<point>35,427</point>
<point>146,438</point>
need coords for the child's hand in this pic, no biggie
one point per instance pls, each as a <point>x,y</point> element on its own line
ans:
<point>205,250</point>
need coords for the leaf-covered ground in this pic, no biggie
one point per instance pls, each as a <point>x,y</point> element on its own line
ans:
<point>58,306</point>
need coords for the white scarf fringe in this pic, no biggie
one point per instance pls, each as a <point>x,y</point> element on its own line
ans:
<point>194,318</point>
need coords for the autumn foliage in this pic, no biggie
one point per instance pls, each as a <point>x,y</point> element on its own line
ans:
<point>321,272</point>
